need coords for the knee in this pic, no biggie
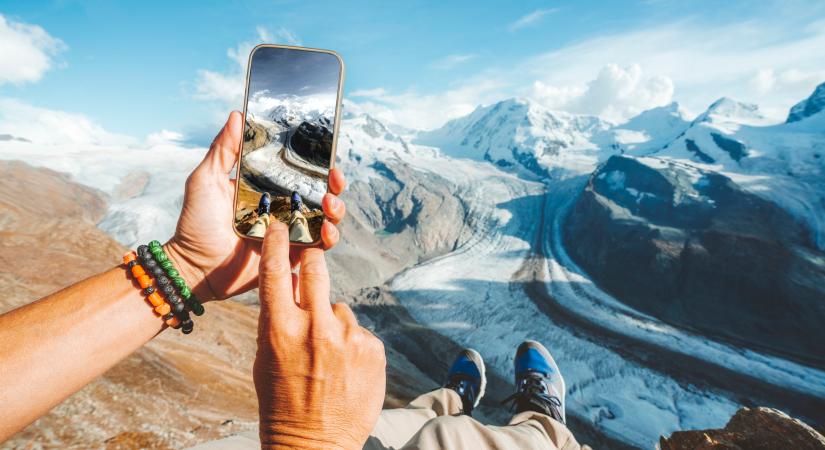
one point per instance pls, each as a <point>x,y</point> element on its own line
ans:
<point>443,430</point>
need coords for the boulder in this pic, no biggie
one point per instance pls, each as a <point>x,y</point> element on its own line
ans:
<point>750,428</point>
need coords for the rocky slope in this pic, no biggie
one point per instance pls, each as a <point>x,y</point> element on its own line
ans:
<point>726,262</point>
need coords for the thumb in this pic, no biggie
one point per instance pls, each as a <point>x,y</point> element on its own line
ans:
<point>223,153</point>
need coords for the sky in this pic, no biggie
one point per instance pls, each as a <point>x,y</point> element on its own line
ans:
<point>141,71</point>
<point>281,71</point>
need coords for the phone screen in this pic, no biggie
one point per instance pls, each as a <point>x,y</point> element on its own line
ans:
<point>291,118</point>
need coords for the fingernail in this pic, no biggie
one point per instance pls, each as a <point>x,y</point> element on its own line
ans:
<point>334,202</point>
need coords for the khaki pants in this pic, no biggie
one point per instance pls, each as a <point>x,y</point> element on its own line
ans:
<point>431,422</point>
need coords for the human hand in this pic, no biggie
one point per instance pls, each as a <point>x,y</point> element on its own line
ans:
<point>320,377</point>
<point>214,261</point>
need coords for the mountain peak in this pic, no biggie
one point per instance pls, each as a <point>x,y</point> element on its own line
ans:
<point>808,107</point>
<point>729,110</point>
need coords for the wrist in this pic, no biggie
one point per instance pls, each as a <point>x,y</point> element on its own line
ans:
<point>194,277</point>
<point>289,436</point>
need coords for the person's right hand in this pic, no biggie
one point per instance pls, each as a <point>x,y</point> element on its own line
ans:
<point>320,377</point>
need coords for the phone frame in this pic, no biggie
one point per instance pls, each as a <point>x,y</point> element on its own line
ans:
<point>335,127</point>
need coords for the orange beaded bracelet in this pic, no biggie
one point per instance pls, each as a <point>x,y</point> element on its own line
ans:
<point>154,297</point>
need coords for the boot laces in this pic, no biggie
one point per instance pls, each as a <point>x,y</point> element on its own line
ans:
<point>532,395</point>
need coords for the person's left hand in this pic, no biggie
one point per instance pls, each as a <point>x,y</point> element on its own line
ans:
<point>211,257</point>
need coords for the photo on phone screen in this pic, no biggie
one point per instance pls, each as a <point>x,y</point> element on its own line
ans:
<point>288,141</point>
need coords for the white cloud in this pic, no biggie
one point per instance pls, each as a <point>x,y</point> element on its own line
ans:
<point>413,110</point>
<point>615,94</point>
<point>771,64</point>
<point>529,19</point>
<point>377,92</point>
<point>228,87</point>
<point>280,36</point>
<point>165,137</point>
<point>451,61</point>
<point>26,51</point>
<point>47,126</point>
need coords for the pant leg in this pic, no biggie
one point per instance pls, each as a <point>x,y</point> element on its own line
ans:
<point>396,426</point>
<point>528,430</point>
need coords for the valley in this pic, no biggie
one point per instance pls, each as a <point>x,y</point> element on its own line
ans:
<point>480,235</point>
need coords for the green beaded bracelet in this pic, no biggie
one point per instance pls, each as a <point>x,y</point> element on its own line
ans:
<point>163,261</point>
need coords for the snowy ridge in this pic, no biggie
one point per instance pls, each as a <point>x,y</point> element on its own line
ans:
<point>291,110</point>
<point>522,134</point>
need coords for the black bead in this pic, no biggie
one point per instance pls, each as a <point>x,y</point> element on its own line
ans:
<point>178,308</point>
<point>168,290</point>
<point>187,326</point>
<point>184,316</point>
<point>173,299</point>
<point>157,272</point>
<point>150,264</point>
<point>167,316</point>
<point>143,250</point>
<point>148,290</point>
<point>162,280</point>
<point>131,263</point>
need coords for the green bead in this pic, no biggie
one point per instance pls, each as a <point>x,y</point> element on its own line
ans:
<point>167,265</point>
<point>154,244</point>
<point>197,308</point>
<point>160,257</point>
<point>179,283</point>
<point>185,292</point>
<point>172,273</point>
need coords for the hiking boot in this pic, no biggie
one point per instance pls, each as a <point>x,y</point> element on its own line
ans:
<point>539,384</point>
<point>467,378</point>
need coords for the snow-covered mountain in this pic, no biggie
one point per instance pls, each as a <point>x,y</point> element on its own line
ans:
<point>291,110</point>
<point>783,163</point>
<point>521,134</point>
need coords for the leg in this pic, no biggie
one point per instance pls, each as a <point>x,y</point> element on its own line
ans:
<point>538,424</point>
<point>528,430</point>
<point>462,391</point>
<point>396,426</point>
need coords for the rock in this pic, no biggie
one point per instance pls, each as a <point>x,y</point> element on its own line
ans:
<point>808,107</point>
<point>313,143</point>
<point>750,428</point>
<point>706,255</point>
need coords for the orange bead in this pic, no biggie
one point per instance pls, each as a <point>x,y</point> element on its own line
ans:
<point>137,270</point>
<point>129,256</point>
<point>163,309</point>
<point>155,299</point>
<point>144,281</point>
<point>173,322</point>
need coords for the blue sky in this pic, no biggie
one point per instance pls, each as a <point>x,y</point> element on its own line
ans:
<point>139,67</point>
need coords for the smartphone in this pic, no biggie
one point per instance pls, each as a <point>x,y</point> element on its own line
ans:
<point>291,115</point>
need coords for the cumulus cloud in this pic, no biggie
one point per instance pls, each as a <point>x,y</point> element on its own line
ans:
<point>26,51</point>
<point>47,126</point>
<point>228,87</point>
<point>529,19</point>
<point>615,94</point>
<point>771,64</point>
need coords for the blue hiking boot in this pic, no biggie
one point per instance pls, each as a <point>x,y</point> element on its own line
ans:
<point>539,384</point>
<point>468,379</point>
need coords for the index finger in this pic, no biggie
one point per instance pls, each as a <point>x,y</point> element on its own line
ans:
<point>275,274</point>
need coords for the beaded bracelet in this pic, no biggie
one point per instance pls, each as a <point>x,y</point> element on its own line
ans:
<point>165,286</point>
<point>163,261</point>
<point>148,289</point>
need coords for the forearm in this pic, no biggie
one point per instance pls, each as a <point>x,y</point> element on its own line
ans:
<point>51,348</point>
